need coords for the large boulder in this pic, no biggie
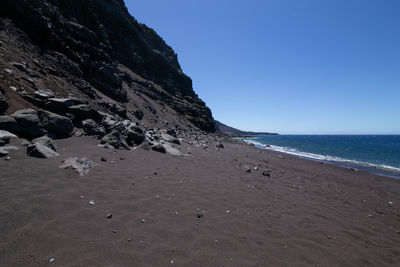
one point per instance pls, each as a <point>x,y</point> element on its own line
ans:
<point>93,128</point>
<point>46,141</point>
<point>159,148</point>
<point>29,123</point>
<point>134,135</point>
<point>9,124</point>
<point>38,150</point>
<point>170,138</point>
<point>6,136</point>
<point>44,94</point>
<point>115,139</point>
<point>58,105</point>
<point>4,150</point>
<point>83,112</point>
<point>56,124</point>
<point>3,103</point>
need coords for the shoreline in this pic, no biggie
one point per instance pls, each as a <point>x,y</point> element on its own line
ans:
<point>381,170</point>
<point>234,205</point>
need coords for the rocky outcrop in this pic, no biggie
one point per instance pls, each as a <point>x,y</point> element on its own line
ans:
<point>98,48</point>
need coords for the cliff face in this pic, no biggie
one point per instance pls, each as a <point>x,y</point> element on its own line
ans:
<point>97,47</point>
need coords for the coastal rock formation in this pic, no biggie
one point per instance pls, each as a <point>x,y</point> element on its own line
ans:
<point>95,51</point>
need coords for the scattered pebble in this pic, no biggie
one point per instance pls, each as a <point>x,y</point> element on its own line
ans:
<point>172,261</point>
<point>255,168</point>
<point>143,221</point>
<point>114,231</point>
<point>91,202</point>
<point>8,158</point>
<point>157,196</point>
<point>281,157</point>
<point>198,209</point>
<point>390,203</point>
<point>266,173</point>
<point>109,216</point>
<point>371,216</point>
<point>129,239</point>
<point>81,197</point>
<point>103,159</point>
<point>52,260</point>
<point>180,182</point>
<point>228,211</point>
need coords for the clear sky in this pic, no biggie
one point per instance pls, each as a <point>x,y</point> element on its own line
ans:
<point>288,66</point>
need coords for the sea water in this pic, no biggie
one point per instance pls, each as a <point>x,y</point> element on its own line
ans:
<point>378,154</point>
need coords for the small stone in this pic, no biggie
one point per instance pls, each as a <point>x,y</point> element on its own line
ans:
<point>157,196</point>
<point>129,239</point>
<point>248,169</point>
<point>281,157</point>
<point>199,215</point>
<point>390,203</point>
<point>8,158</point>
<point>255,168</point>
<point>180,182</point>
<point>371,216</point>
<point>143,221</point>
<point>198,209</point>
<point>52,260</point>
<point>109,216</point>
<point>228,211</point>
<point>103,159</point>
<point>91,202</point>
<point>114,231</point>
<point>266,173</point>
<point>81,197</point>
<point>121,158</point>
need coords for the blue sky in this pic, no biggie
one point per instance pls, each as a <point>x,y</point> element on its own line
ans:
<point>288,66</point>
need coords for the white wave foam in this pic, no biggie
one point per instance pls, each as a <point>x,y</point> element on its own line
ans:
<point>319,157</point>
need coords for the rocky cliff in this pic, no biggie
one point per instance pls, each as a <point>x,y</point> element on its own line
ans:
<point>96,51</point>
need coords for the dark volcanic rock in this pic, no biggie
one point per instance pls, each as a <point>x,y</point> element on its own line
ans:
<point>10,124</point>
<point>3,103</point>
<point>138,114</point>
<point>44,94</point>
<point>56,124</point>
<point>38,150</point>
<point>93,128</point>
<point>46,141</point>
<point>58,105</point>
<point>91,40</point>
<point>115,139</point>
<point>28,123</point>
<point>170,138</point>
<point>135,135</point>
<point>83,112</point>
<point>159,148</point>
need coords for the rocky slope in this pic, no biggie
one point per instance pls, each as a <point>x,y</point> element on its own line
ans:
<point>93,53</point>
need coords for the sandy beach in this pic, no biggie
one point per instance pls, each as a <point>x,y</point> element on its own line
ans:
<point>212,207</point>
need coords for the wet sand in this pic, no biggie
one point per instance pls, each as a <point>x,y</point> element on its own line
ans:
<point>203,209</point>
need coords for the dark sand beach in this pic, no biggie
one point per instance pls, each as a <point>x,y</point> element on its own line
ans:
<point>202,209</point>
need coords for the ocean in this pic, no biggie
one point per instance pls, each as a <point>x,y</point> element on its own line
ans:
<point>379,154</point>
